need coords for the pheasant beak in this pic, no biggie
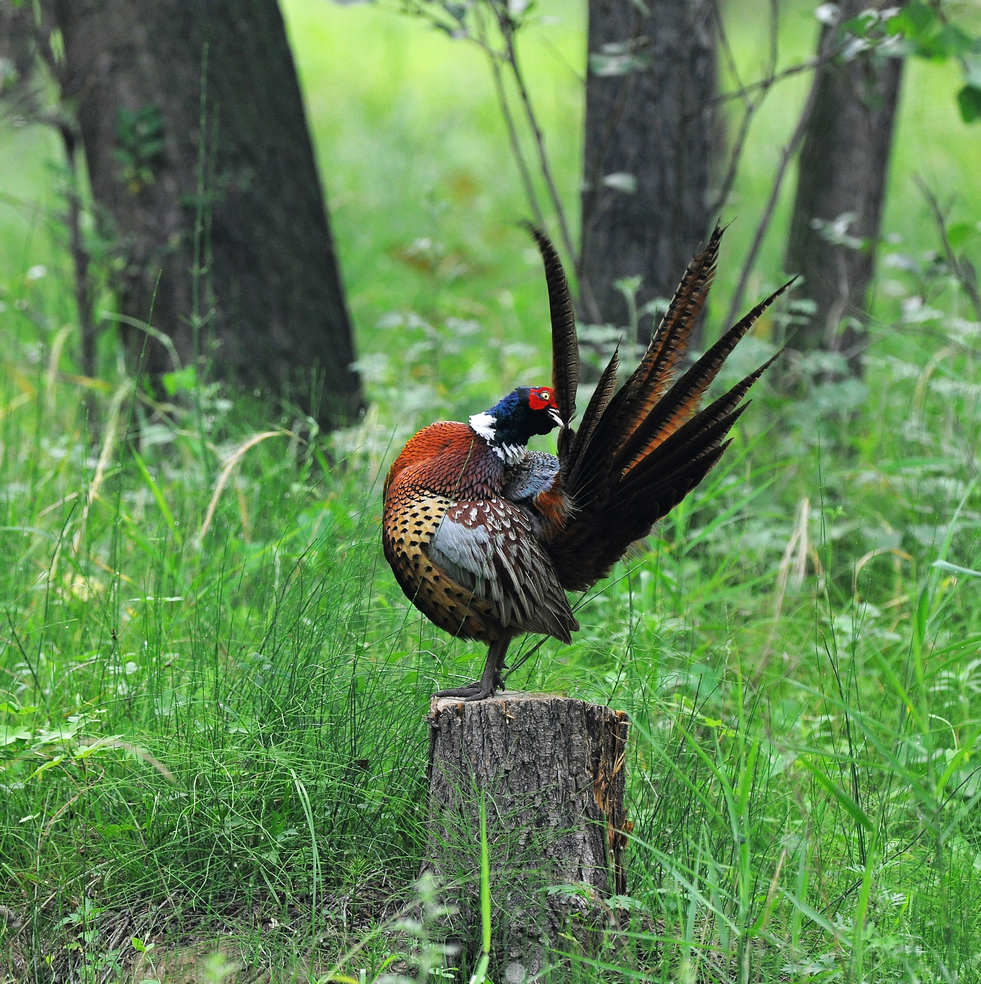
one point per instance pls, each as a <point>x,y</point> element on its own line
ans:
<point>553,412</point>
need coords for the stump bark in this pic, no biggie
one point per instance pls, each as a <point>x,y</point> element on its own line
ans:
<point>551,772</point>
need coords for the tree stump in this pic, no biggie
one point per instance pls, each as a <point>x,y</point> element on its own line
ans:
<point>551,772</point>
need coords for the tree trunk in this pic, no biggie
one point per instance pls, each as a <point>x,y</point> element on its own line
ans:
<point>205,185</point>
<point>840,190</point>
<point>551,772</point>
<point>648,142</point>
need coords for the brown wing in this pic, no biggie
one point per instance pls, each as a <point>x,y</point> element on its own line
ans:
<point>489,546</point>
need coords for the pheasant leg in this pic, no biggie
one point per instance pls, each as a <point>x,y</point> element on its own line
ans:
<point>490,679</point>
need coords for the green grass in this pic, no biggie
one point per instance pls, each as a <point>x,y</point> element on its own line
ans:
<point>212,694</point>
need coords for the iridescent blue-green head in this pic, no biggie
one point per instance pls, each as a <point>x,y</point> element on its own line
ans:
<point>511,422</point>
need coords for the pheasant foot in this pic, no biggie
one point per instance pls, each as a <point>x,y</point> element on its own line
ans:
<point>470,692</point>
<point>490,680</point>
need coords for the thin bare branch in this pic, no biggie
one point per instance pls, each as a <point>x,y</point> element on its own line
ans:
<point>507,31</point>
<point>750,107</point>
<point>735,156</point>
<point>80,255</point>
<point>751,104</point>
<point>827,50</point>
<point>774,36</point>
<point>476,33</point>
<point>494,58</point>
<point>727,51</point>
<point>769,81</point>
<point>790,148</point>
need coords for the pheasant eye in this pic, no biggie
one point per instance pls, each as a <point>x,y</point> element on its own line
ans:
<point>539,398</point>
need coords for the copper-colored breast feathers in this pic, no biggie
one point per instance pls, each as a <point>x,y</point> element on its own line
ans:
<point>467,557</point>
<point>411,522</point>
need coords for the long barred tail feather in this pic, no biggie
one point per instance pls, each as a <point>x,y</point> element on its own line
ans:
<point>680,403</point>
<point>640,449</point>
<point>647,384</point>
<point>565,342</point>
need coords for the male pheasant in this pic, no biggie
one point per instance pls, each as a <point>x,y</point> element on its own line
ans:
<point>485,536</point>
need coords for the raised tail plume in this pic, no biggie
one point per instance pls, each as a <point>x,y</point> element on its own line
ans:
<point>640,449</point>
<point>565,342</point>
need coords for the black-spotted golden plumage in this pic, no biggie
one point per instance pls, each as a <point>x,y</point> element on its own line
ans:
<point>485,536</point>
<point>468,556</point>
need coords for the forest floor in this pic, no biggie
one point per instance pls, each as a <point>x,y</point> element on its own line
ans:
<point>213,694</point>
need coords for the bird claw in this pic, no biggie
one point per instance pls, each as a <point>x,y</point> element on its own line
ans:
<point>472,691</point>
<point>490,680</point>
<point>465,692</point>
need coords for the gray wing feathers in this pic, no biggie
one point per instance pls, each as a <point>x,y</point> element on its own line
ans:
<point>464,552</point>
<point>490,548</point>
<point>533,474</point>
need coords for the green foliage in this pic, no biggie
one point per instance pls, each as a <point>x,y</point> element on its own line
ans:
<point>969,102</point>
<point>926,31</point>
<point>212,694</point>
<point>139,144</point>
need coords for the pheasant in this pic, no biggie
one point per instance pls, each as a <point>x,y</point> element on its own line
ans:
<point>485,536</point>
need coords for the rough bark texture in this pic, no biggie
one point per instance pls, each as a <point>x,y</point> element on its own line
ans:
<point>656,124</point>
<point>551,770</point>
<point>842,173</point>
<point>166,150</point>
<point>18,44</point>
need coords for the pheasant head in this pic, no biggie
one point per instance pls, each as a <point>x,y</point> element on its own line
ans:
<point>508,425</point>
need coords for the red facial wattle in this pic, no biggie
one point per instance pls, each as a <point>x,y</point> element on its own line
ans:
<point>541,398</point>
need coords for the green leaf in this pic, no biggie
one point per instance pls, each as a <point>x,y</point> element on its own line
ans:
<point>17,734</point>
<point>913,21</point>
<point>485,902</point>
<point>848,804</point>
<point>606,64</point>
<point>158,494</point>
<point>180,381</point>
<point>40,770</point>
<point>969,103</point>
<point>951,42</point>
<point>628,285</point>
<point>959,233</point>
<point>621,181</point>
<point>944,565</point>
<point>861,26</point>
<point>926,36</point>
<point>971,63</point>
